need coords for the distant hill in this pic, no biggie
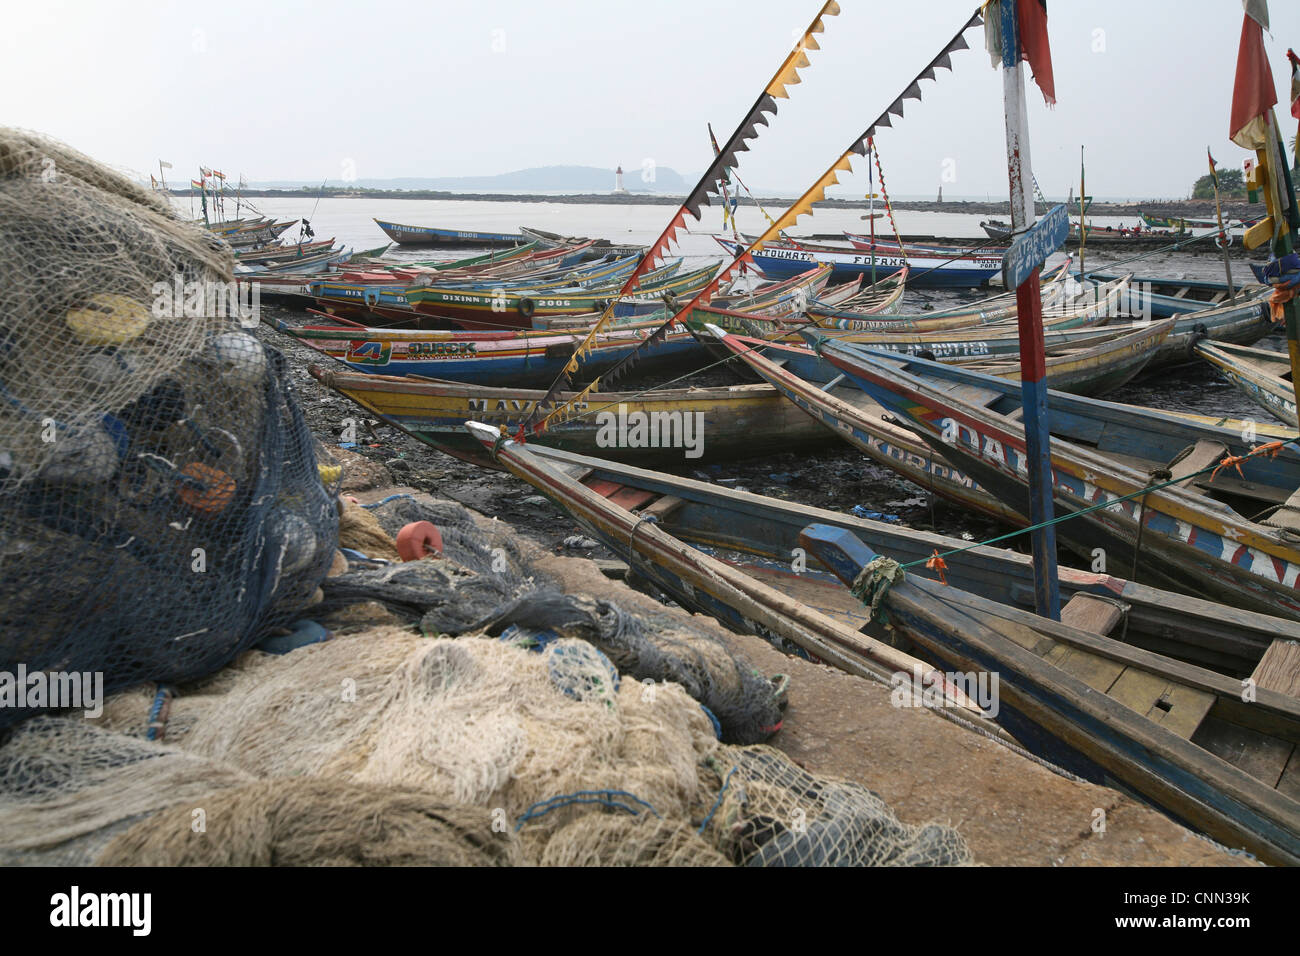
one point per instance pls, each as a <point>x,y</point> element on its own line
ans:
<point>543,179</point>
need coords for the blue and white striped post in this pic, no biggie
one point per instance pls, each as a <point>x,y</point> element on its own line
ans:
<point>1033,374</point>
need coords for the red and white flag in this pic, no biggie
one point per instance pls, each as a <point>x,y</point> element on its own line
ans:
<point>1253,92</point>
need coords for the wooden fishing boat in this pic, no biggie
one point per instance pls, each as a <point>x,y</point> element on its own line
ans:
<point>1146,439</point>
<point>504,358</point>
<point>1183,737</point>
<point>275,253</point>
<point>1092,306</point>
<point>884,297</point>
<point>1176,536</point>
<point>481,260</point>
<point>892,247</point>
<point>448,238</point>
<point>1182,224</point>
<point>229,225</point>
<point>681,427</point>
<point>1162,296</point>
<point>257,234</point>
<point>760,535</point>
<point>317,262</point>
<point>1242,321</point>
<point>603,508</point>
<point>986,311</point>
<point>374,252</point>
<point>1090,364</point>
<point>775,297</point>
<point>594,273</point>
<point>1262,375</point>
<point>933,270</point>
<point>490,309</point>
<point>550,240</point>
<point>381,294</point>
<point>1102,237</point>
<point>1088,367</point>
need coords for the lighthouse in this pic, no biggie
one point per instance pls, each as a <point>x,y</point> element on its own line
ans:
<point>618,182</point>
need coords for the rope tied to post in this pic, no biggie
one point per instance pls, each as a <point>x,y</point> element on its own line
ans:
<point>873,583</point>
<point>1283,274</point>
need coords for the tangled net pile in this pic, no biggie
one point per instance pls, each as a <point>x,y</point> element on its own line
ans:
<point>389,747</point>
<point>160,507</point>
<point>484,583</point>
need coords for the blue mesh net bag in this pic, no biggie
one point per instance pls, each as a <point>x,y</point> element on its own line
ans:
<point>160,503</point>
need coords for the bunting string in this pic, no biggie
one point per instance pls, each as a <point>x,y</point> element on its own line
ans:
<point>800,207</point>
<point>727,158</point>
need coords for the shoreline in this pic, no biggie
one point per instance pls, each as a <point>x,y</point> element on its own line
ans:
<point>1191,208</point>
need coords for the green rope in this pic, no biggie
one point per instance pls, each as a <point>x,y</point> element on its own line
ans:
<point>1079,514</point>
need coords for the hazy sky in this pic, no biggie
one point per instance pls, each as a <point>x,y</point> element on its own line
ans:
<point>290,89</point>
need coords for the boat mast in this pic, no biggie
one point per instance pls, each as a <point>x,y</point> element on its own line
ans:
<point>871,204</point>
<point>1083,225</point>
<point>1029,318</point>
<point>1222,240</point>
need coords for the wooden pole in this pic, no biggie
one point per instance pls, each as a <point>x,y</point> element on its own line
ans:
<point>1223,236</point>
<point>1283,244</point>
<point>871,208</point>
<point>1029,318</point>
<point>1083,226</point>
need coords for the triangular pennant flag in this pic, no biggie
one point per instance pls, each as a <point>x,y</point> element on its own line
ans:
<point>927,73</point>
<point>896,107</point>
<point>883,120</point>
<point>942,62</point>
<point>913,92</point>
<point>958,44</point>
<point>860,147</point>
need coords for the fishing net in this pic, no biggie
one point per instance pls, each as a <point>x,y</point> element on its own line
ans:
<point>311,822</point>
<point>484,581</point>
<point>160,507</point>
<point>67,787</point>
<point>771,812</point>
<point>388,747</point>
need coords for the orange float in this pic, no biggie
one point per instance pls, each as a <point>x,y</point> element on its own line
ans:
<point>211,491</point>
<point>417,540</point>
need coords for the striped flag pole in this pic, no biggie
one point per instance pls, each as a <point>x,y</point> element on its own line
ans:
<point>1029,317</point>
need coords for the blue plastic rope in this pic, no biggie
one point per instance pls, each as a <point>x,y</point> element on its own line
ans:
<point>385,501</point>
<point>603,797</point>
<point>155,711</point>
<point>717,724</point>
<point>726,782</point>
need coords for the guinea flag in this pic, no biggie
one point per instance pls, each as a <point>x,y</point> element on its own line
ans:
<point>1253,92</point>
